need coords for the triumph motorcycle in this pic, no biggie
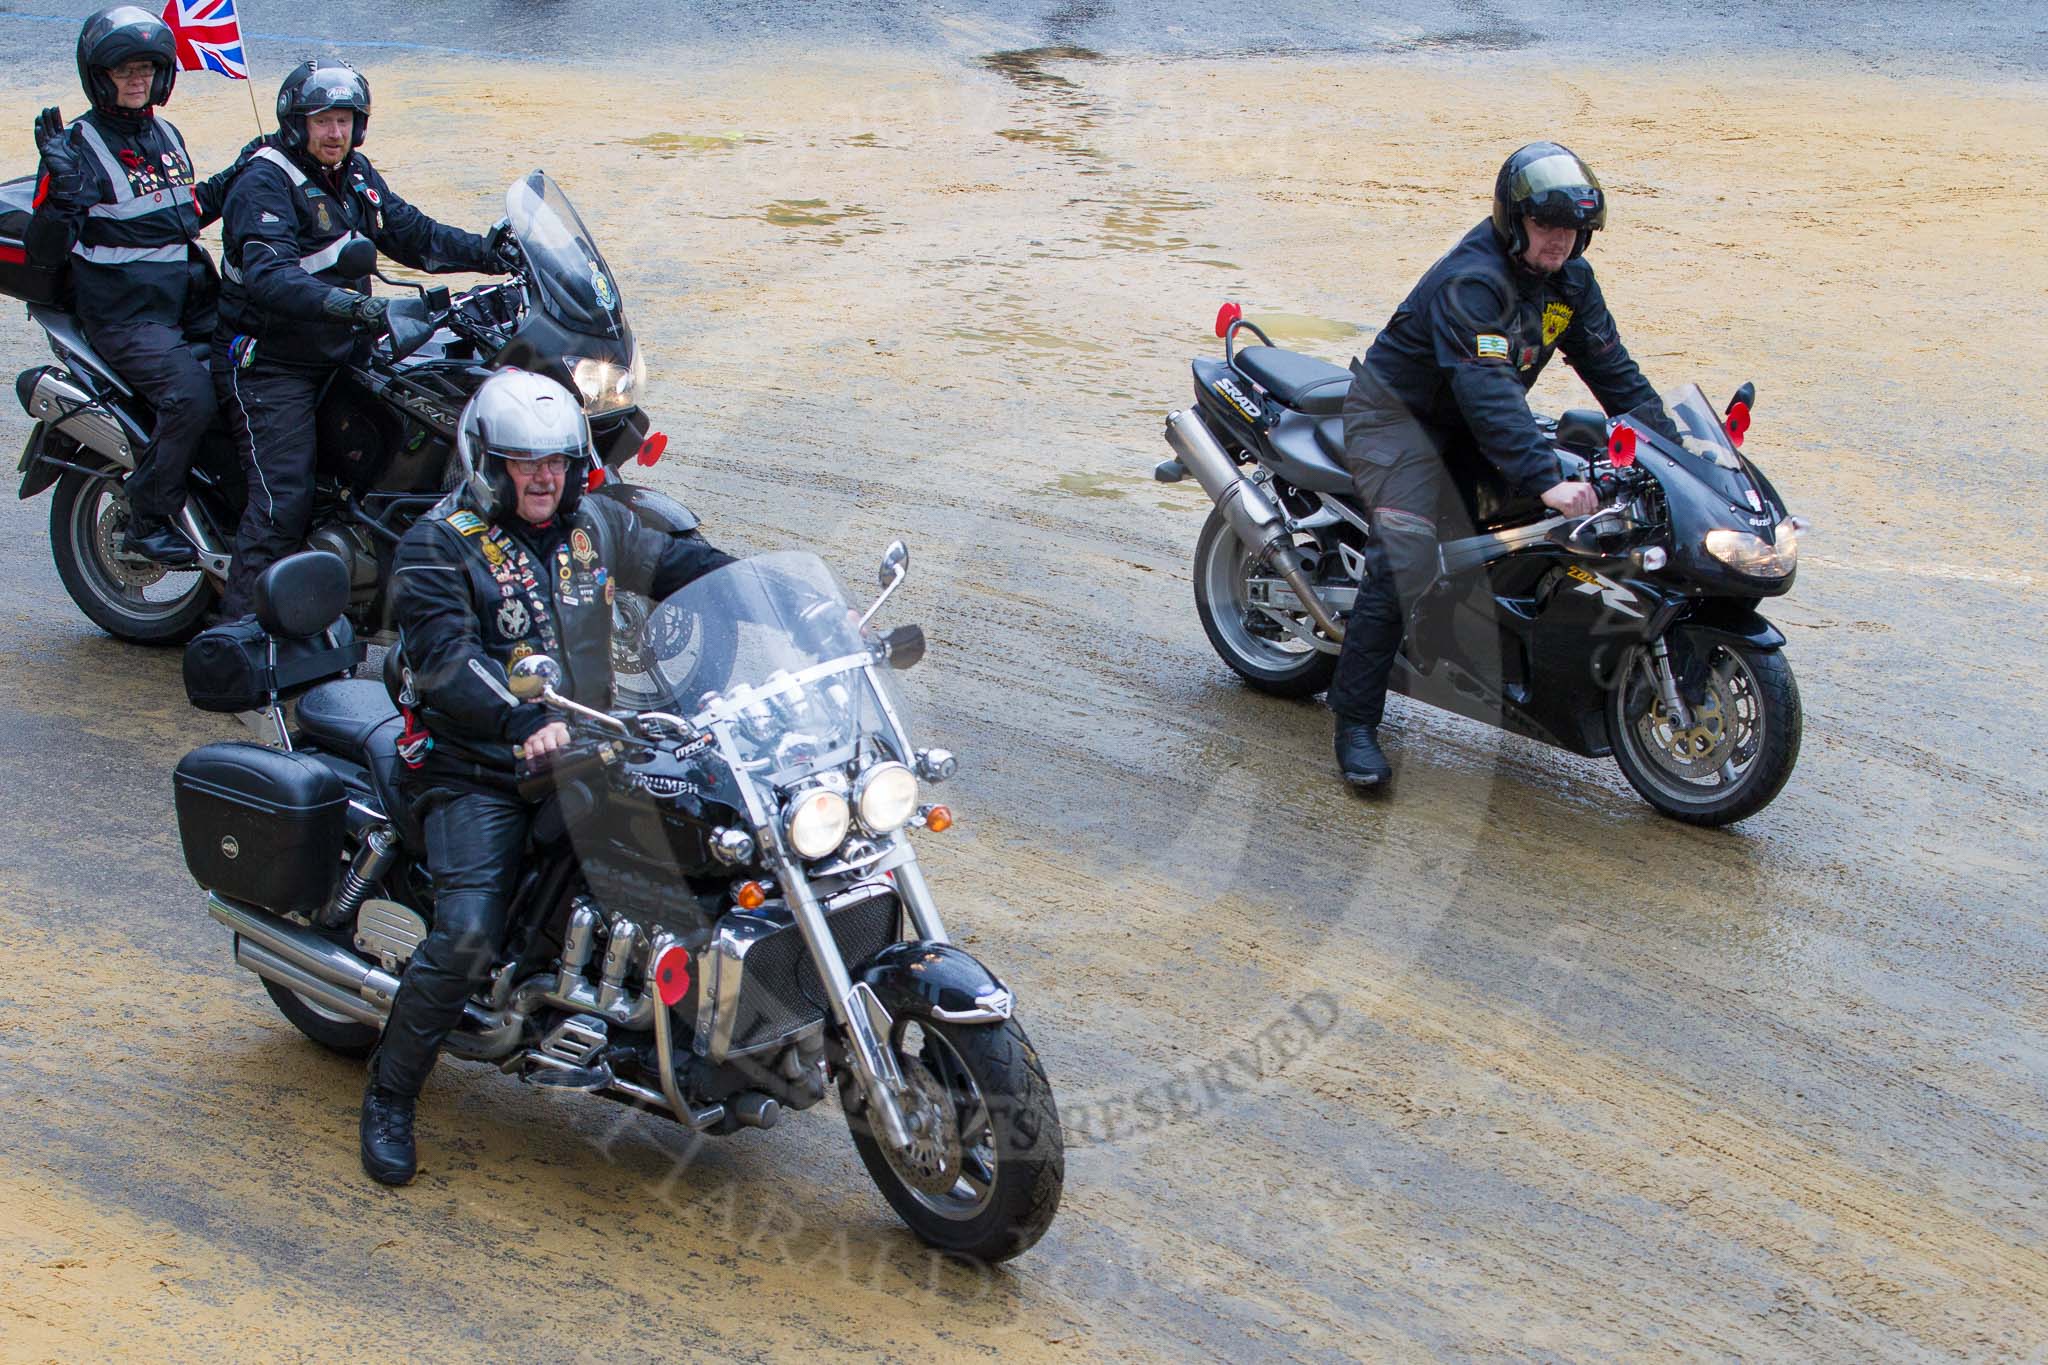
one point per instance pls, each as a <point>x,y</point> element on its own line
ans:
<point>386,426</point>
<point>1632,632</point>
<point>721,917</point>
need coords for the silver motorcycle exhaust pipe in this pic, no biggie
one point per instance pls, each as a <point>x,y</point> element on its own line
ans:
<point>334,999</point>
<point>1254,516</point>
<point>311,955</point>
<point>72,412</point>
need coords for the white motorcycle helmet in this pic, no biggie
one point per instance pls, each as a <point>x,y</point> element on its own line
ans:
<point>517,415</point>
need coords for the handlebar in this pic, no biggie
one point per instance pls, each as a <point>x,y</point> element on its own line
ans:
<point>536,777</point>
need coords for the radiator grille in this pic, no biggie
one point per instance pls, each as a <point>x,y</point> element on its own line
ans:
<point>781,992</point>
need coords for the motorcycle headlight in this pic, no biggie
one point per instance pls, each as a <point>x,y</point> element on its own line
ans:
<point>1755,556</point>
<point>885,797</point>
<point>606,385</point>
<point>817,822</point>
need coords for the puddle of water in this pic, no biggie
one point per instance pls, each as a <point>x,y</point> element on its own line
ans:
<point>1092,485</point>
<point>1140,223</point>
<point>1025,67</point>
<point>808,213</point>
<point>1303,327</point>
<point>673,144</point>
<point>992,340</point>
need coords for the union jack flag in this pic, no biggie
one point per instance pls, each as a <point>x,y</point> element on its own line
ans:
<point>209,37</point>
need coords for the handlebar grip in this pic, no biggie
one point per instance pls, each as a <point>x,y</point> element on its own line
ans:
<point>537,777</point>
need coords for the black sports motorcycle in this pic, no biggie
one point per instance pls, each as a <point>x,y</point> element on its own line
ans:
<point>1632,632</point>
<point>386,427</point>
<point>721,914</point>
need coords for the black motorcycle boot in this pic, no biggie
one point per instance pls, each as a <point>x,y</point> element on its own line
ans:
<point>388,1154</point>
<point>159,542</point>
<point>1359,756</point>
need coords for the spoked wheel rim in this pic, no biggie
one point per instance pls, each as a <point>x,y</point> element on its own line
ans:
<point>1706,762</point>
<point>951,1166</point>
<point>135,588</point>
<point>649,647</point>
<point>1245,629</point>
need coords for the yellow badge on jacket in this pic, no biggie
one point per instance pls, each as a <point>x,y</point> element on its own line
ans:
<point>1556,317</point>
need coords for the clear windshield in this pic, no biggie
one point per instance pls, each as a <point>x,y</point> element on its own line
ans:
<point>571,277</point>
<point>781,666</point>
<point>1702,448</point>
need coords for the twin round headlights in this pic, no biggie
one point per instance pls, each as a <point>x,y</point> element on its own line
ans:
<point>819,819</point>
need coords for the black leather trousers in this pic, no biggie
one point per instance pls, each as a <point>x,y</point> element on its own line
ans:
<point>1401,499</point>
<point>474,843</point>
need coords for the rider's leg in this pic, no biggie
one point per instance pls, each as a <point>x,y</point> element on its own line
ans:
<point>270,409</point>
<point>170,371</point>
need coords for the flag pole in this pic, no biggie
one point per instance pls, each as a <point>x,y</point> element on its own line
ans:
<point>249,76</point>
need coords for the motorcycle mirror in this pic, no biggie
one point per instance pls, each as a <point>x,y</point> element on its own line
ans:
<point>1582,431</point>
<point>901,647</point>
<point>895,563</point>
<point>1746,395</point>
<point>534,675</point>
<point>358,258</point>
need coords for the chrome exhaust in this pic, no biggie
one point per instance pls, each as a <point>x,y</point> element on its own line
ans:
<point>271,967</point>
<point>71,411</point>
<point>1254,517</point>
<point>313,956</point>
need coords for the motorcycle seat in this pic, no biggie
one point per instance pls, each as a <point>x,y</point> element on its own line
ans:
<point>341,716</point>
<point>1296,381</point>
<point>1305,454</point>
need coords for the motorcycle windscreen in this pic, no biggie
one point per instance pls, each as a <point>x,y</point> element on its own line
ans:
<point>1703,449</point>
<point>575,285</point>
<point>792,674</point>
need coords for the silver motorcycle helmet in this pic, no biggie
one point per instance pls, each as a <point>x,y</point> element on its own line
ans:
<point>517,415</point>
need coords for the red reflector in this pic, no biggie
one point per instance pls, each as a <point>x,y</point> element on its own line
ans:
<point>1226,315</point>
<point>13,255</point>
<point>672,975</point>
<point>652,449</point>
<point>595,481</point>
<point>1621,447</point>
<point>1738,422</point>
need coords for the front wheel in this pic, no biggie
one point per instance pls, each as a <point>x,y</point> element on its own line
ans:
<point>1262,651</point>
<point>987,1162</point>
<point>1739,750</point>
<point>132,600</point>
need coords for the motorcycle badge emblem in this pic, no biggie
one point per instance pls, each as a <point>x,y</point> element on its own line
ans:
<point>513,621</point>
<point>494,553</point>
<point>580,546</point>
<point>320,218</point>
<point>1556,317</point>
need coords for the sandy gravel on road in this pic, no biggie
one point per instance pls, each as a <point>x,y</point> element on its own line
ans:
<point>1560,1081</point>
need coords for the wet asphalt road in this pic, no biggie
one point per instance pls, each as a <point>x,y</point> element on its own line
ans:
<point>1507,1068</point>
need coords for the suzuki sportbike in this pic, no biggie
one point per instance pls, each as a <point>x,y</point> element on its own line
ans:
<point>1632,632</point>
<point>386,426</point>
<point>721,918</point>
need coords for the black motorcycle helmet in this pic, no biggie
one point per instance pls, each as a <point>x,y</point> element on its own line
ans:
<point>517,415</point>
<point>315,86</point>
<point>110,38</point>
<point>1547,182</point>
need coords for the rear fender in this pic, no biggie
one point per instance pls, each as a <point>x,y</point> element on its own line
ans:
<point>49,456</point>
<point>925,980</point>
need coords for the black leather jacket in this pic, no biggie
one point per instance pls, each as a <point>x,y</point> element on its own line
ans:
<point>1461,353</point>
<point>284,226</point>
<point>131,231</point>
<point>471,598</point>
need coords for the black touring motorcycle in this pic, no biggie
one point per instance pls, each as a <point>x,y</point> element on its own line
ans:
<point>721,916</point>
<point>386,427</point>
<point>1631,632</point>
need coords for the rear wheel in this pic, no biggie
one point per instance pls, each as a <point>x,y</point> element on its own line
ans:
<point>1261,650</point>
<point>336,1032</point>
<point>1739,750</point>
<point>130,599</point>
<point>987,1162</point>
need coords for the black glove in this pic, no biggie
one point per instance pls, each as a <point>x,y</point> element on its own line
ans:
<point>67,172</point>
<point>503,249</point>
<point>362,312</point>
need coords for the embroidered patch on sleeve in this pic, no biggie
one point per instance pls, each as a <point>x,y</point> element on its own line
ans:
<point>469,523</point>
<point>1491,346</point>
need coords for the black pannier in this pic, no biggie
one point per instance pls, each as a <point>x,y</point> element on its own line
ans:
<point>238,665</point>
<point>17,276</point>
<point>261,825</point>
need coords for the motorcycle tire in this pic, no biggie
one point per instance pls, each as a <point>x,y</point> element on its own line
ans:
<point>337,1033</point>
<point>1018,1157</point>
<point>1277,667</point>
<point>1762,676</point>
<point>141,604</point>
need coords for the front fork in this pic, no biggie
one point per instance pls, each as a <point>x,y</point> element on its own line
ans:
<point>1657,659</point>
<point>861,1017</point>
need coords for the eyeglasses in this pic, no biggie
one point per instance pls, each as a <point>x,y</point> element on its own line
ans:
<point>557,465</point>
<point>133,69</point>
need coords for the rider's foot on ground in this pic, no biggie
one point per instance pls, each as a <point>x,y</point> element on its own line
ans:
<point>1359,757</point>
<point>388,1155</point>
<point>159,543</point>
